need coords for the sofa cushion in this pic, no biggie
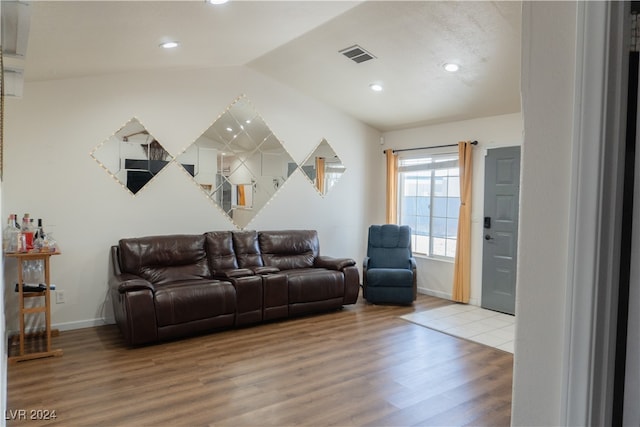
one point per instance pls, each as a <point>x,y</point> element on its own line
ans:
<point>289,249</point>
<point>181,302</point>
<point>314,284</point>
<point>220,251</point>
<point>245,244</point>
<point>389,246</point>
<point>165,259</point>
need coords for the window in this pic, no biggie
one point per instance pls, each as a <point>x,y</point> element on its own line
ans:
<point>429,202</point>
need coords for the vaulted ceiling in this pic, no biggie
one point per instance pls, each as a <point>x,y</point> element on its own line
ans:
<point>298,43</point>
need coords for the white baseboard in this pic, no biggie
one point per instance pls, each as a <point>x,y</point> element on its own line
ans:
<point>437,294</point>
<point>444,295</point>
<point>69,326</point>
<point>81,324</point>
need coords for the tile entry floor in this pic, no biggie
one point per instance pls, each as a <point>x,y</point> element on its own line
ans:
<point>469,322</point>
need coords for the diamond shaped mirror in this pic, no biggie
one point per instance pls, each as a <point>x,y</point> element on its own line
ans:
<point>323,168</point>
<point>132,156</point>
<point>238,162</point>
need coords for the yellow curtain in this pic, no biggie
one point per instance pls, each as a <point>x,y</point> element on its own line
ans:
<point>462,267</point>
<point>242,201</point>
<point>320,174</point>
<point>392,187</point>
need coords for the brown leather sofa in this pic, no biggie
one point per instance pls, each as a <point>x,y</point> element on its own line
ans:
<point>165,287</point>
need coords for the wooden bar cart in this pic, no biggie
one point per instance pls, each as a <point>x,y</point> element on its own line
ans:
<point>22,258</point>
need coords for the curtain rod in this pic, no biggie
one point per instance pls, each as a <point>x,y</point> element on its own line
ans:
<point>426,148</point>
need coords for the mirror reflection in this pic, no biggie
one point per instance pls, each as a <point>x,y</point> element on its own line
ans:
<point>323,168</point>
<point>132,156</point>
<point>238,162</point>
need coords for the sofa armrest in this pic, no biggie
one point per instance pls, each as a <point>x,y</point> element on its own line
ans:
<point>333,263</point>
<point>124,282</point>
<point>233,273</point>
<point>265,270</point>
<point>131,282</point>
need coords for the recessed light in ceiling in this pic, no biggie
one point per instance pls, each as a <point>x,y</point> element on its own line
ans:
<point>376,87</point>
<point>216,1</point>
<point>451,67</point>
<point>169,45</point>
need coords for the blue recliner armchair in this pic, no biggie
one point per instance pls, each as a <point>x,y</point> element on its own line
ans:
<point>389,270</point>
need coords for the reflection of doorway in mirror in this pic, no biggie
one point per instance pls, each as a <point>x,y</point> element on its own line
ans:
<point>244,196</point>
<point>333,171</point>
<point>323,168</point>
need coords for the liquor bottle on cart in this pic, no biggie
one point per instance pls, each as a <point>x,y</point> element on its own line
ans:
<point>10,235</point>
<point>28,232</point>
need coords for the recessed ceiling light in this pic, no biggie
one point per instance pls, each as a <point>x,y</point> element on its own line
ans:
<point>451,67</point>
<point>376,87</point>
<point>216,1</point>
<point>169,45</point>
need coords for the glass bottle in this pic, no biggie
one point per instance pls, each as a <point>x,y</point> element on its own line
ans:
<point>5,233</point>
<point>10,235</point>
<point>39,237</point>
<point>39,234</point>
<point>27,231</point>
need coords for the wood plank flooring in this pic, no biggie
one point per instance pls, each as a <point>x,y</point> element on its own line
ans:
<point>360,366</point>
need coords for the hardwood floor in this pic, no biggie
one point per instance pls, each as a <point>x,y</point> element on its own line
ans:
<point>361,366</point>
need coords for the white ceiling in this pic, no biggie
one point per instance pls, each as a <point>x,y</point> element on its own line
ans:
<point>298,43</point>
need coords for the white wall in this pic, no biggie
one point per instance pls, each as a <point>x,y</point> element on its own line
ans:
<point>548,74</point>
<point>435,277</point>
<point>50,174</point>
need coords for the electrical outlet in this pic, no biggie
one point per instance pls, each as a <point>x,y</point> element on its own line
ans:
<point>59,297</point>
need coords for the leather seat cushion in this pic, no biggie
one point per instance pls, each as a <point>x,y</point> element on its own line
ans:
<point>314,284</point>
<point>181,302</point>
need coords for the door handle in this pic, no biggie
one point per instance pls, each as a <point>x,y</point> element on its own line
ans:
<point>488,237</point>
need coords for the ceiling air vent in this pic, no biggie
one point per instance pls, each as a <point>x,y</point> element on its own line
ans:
<point>357,54</point>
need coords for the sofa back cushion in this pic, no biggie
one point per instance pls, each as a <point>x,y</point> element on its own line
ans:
<point>289,249</point>
<point>165,259</point>
<point>389,246</point>
<point>220,251</point>
<point>245,244</point>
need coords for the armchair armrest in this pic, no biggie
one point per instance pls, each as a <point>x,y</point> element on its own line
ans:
<point>365,263</point>
<point>412,262</point>
<point>333,263</point>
